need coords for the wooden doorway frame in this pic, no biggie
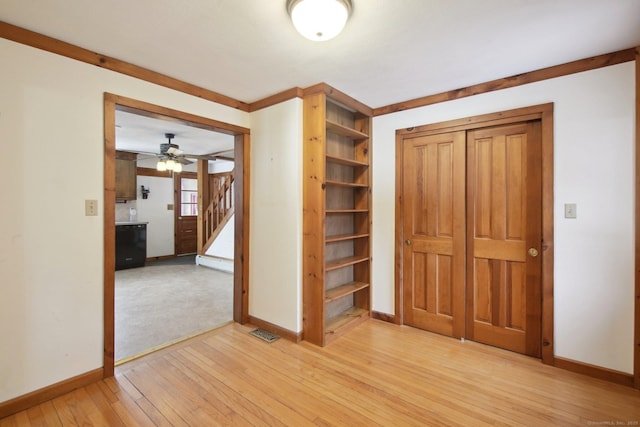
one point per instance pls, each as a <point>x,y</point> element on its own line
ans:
<point>544,113</point>
<point>241,251</point>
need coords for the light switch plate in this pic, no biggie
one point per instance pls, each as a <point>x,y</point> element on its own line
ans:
<point>570,210</point>
<point>90,208</point>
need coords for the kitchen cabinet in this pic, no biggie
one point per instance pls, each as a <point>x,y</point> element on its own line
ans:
<point>126,176</point>
<point>131,245</point>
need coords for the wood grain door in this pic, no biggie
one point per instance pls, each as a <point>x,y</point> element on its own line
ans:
<point>504,214</point>
<point>186,223</point>
<point>433,194</point>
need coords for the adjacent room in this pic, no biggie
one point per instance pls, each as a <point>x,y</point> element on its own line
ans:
<point>167,286</point>
<point>320,212</point>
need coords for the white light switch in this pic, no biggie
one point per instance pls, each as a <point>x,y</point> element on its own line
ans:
<point>90,208</point>
<point>570,210</point>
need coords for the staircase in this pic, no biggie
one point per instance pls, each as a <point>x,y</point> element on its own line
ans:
<point>220,210</point>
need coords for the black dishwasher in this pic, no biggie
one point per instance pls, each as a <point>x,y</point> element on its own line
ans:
<point>131,245</point>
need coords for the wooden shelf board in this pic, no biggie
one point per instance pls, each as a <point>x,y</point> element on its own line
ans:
<point>345,131</point>
<point>343,237</point>
<point>347,184</point>
<point>353,314</point>
<point>345,262</point>
<point>343,290</point>
<point>342,211</point>
<point>345,161</point>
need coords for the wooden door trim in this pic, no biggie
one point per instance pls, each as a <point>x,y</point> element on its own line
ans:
<point>544,113</point>
<point>241,261</point>
<point>636,350</point>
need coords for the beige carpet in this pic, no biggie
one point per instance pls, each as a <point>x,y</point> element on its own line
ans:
<point>161,303</point>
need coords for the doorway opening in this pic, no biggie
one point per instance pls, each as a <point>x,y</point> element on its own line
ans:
<point>237,152</point>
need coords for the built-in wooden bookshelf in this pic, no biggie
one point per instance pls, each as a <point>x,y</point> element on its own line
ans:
<point>337,217</point>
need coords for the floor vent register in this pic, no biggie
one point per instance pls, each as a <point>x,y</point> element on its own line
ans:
<point>264,335</point>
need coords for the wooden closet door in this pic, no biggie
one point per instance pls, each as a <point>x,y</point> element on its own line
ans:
<point>433,194</point>
<point>504,237</point>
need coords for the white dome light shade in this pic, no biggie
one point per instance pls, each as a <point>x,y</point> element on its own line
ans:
<point>319,20</point>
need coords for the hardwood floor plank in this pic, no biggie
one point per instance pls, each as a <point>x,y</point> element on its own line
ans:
<point>16,420</point>
<point>329,380</point>
<point>125,400</point>
<point>44,415</point>
<point>157,394</point>
<point>505,368</point>
<point>449,379</point>
<point>104,405</point>
<point>377,374</point>
<point>307,402</point>
<point>375,388</point>
<point>216,390</point>
<point>189,390</point>
<point>484,378</point>
<point>248,389</point>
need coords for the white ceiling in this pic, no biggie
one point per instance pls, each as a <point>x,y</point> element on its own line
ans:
<point>390,51</point>
<point>142,134</point>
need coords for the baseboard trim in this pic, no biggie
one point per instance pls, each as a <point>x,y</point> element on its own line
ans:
<point>594,371</point>
<point>275,329</point>
<point>160,258</point>
<point>217,263</point>
<point>391,318</point>
<point>42,395</point>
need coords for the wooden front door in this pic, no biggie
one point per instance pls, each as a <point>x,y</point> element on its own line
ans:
<point>504,236</point>
<point>186,228</point>
<point>471,226</point>
<point>434,221</point>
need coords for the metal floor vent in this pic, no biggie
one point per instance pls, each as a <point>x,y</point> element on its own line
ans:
<point>264,335</point>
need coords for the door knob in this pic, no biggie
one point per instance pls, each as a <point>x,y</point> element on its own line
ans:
<point>407,242</point>
<point>533,252</point>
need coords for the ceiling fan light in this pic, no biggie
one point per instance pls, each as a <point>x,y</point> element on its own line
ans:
<point>319,20</point>
<point>171,165</point>
<point>177,167</point>
<point>161,166</point>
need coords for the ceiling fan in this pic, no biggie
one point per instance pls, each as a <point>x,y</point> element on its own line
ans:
<point>171,157</point>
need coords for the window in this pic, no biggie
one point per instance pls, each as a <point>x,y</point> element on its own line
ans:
<point>188,197</point>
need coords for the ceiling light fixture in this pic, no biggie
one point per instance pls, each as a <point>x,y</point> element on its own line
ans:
<point>319,20</point>
<point>170,156</point>
<point>168,164</point>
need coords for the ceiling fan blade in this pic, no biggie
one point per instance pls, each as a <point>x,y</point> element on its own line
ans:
<point>183,161</point>
<point>200,156</point>
<point>141,155</point>
<point>146,156</point>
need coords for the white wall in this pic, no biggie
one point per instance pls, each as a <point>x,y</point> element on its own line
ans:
<point>275,270</point>
<point>160,233</point>
<point>51,255</point>
<point>593,167</point>
<point>223,246</point>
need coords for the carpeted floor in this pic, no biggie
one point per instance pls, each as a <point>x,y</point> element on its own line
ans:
<point>165,301</point>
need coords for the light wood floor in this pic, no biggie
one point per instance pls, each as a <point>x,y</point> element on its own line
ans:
<point>379,374</point>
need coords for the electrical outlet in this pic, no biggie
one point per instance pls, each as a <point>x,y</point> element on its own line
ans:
<point>570,210</point>
<point>90,208</point>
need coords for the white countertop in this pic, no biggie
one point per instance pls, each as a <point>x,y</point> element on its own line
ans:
<point>132,222</point>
